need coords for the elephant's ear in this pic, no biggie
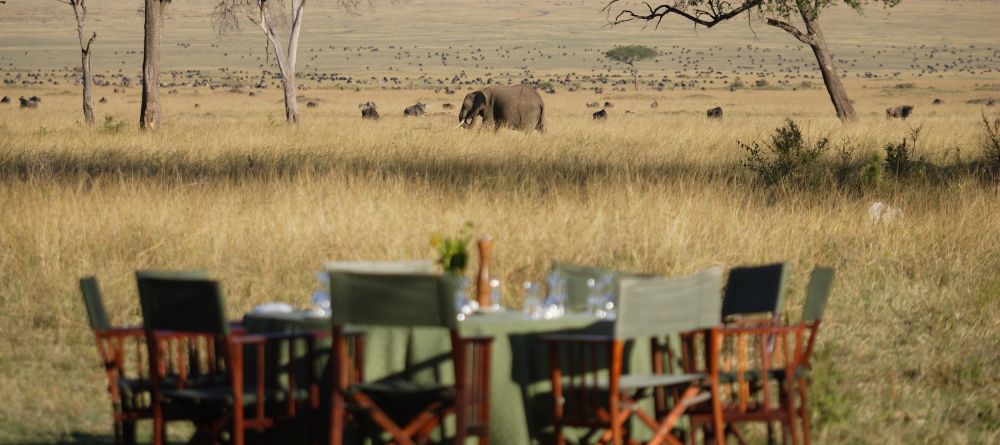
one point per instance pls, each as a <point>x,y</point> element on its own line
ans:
<point>478,101</point>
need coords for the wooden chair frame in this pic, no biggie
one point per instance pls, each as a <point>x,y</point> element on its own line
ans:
<point>199,361</point>
<point>468,399</point>
<point>602,404</point>
<point>772,352</point>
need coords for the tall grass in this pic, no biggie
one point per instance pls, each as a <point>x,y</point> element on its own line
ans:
<point>907,354</point>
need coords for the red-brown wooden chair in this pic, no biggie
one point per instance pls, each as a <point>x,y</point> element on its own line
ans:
<point>406,300</point>
<point>766,377</point>
<point>197,364</point>
<point>590,387</point>
<point>123,354</point>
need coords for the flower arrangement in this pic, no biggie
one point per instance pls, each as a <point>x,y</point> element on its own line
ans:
<point>453,252</point>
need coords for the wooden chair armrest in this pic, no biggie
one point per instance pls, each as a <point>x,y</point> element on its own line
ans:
<point>576,338</point>
<point>134,331</point>
<point>476,339</point>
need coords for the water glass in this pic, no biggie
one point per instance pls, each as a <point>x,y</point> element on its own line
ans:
<point>532,300</point>
<point>495,297</point>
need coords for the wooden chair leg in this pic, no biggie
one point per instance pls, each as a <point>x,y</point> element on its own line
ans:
<point>804,411</point>
<point>337,420</point>
<point>128,432</point>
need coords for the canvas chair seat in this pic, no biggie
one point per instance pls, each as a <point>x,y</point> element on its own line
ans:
<point>643,381</point>
<point>223,395</point>
<point>403,388</point>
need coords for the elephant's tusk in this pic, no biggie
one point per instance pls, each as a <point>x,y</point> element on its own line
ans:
<point>460,123</point>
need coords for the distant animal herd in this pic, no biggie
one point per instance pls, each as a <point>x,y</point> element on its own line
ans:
<point>503,106</point>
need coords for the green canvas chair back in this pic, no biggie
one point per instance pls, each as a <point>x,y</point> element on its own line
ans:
<point>94,301</point>
<point>650,307</point>
<point>183,304</point>
<point>390,267</point>
<point>817,293</point>
<point>577,291</point>
<point>406,300</point>
<point>755,290</point>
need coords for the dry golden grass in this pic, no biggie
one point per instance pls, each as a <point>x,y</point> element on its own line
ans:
<point>908,354</point>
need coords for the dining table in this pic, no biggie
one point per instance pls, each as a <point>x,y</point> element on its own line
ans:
<point>520,387</point>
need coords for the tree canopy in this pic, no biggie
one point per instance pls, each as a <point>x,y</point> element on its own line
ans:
<point>630,54</point>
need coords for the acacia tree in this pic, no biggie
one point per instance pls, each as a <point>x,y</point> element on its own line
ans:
<point>629,55</point>
<point>270,16</point>
<point>776,13</point>
<point>149,113</point>
<point>80,11</point>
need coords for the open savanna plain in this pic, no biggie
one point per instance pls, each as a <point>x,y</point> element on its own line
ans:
<point>908,352</point>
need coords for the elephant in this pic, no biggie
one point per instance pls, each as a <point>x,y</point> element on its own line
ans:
<point>518,107</point>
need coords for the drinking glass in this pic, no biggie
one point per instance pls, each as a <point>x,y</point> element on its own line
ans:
<point>532,300</point>
<point>595,299</point>
<point>495,297</point>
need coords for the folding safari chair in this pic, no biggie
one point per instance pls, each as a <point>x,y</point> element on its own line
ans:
<point>590,387</point>
<point>406,300</point>
<point>197,363</point>
<point>123,353</point>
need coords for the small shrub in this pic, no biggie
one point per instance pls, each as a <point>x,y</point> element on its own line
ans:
<point>897,158</point>
<point>736,84</point>
<point>546,85</point>
<point>872,173</point>
<point>905,86</point>
<point>761,83</point>
<point>806,85</point>
<point>786,156</point>
<point>991,140</point>
<point>112,126</point>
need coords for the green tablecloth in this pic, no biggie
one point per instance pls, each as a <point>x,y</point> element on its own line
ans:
<point>520,406</point>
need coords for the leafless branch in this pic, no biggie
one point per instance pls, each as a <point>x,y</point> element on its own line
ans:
<point>804,38</point>
<point>717,12</point>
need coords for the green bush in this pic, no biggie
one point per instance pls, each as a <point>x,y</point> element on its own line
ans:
<point>872,173</point>
<point>112,126</point>
<point>761,83</point>
<point>991,141</point>
<point>736,84</point>
<point>786,156</point>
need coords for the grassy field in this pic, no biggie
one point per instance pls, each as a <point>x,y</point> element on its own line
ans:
<point>908,352</point>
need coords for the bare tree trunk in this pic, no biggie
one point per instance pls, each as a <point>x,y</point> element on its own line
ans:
<point>80,11</point>
<point>149,115</point>
<point>814,38</point>
<point>286,59</point>
<point>291,102</point>
<point>635,78</point>
<point>834,86</point>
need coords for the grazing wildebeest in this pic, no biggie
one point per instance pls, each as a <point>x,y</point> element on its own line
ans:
<point>447,106</point>
<point>5,100</point>
<point>902,112</point>
<point>416,110</point>
<point>937,102</point>
<point>654,105</point>
<point>369,111</point>
<point>35,99</point>
<point>518,107</point>
<point>311,104</point>
<point>608,104</point>
<point>26,103</point>
<point>599,115</point>
<point>593,104</point>
<point>715,113</point>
